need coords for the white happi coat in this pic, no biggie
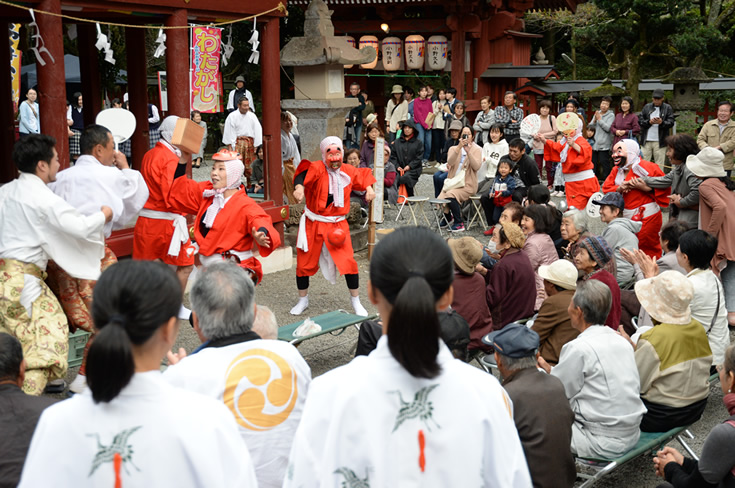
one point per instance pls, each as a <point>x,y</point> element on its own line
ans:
<point>601,381</point>
<point>38,225</point>
<point>264,384</point>
<point>242,125</point>
<point>89,184</point>
<point>289,149</point>
<point>371,424</point>
<point>165,436</point>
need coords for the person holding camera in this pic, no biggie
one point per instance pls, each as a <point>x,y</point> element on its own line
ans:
<point>463,162</point>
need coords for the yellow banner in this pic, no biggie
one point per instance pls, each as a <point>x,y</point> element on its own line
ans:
<point>14,32</point>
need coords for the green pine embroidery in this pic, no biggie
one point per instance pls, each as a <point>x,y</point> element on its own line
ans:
<point>420,408</point>
<point>105,454</point>
<point>351,480</point>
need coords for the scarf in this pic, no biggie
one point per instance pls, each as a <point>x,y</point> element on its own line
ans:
<point>729,401</point>
<point>565,146</point>
<point>338,180</point>
<point>633,161</point>
<point>235,170</point>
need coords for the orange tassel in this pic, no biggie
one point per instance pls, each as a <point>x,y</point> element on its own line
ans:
<point>117,463</point>
<point>422,457</point>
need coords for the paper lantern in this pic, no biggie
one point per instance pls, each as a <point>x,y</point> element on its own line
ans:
<point>351,42</point>
<point>371,41</point>
<point>436,49</point>
<point>415,52</point>
<point>392,48</point>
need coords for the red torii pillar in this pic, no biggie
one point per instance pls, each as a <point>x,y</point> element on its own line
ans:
<point>177,68</point>
<point>8,170</point>
<point>454,22</point>
<point>137,92</point>
<point>90,72</point>
<point>52,96</point>
<point>270,85</point>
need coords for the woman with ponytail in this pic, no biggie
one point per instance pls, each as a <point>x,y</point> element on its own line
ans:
<point>130,428</point>
<point>399,416</point>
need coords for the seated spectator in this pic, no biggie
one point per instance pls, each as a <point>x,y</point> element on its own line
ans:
<point>538,247</point>
<point>553,324</point>
<point>367,151</point>
<point>523,168</point>
<point>265,324</point>
<point>492,151</point>
<point>513,212</point>
<point>716,465</point>
<point>545,428</point>
<point>406,156</point>
<point>469,289</point>
<point>360,418</point>
<point>674,357</point>
<point>454,331</point>
<point>695,253</point>
<point>573,229</point>
<point>454,129</point>
<point>540,195</point>
<point>620,233</point>
<point>511,278</point>
<point>500,194</point>
<point>135,429</point>
<point>20,411</point>
<point>246,373</point>
<point>590,260</point>
<point>465,157</point>
<point>600,378</point>
<point>257,179</point>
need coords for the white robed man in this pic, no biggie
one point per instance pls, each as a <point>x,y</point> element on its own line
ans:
<point>263,382</point>
<point>243,134</point>
<point>37,225</point>
<point>101,176</point>
<point>290,156</point>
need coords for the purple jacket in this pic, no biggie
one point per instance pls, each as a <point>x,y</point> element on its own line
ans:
<point>367,154</point>
<point>627,123</point>
<point>511,288</point>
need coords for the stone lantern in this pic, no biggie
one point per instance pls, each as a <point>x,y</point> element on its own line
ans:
<point>318,59</point>
<point>606,89</point>
<point>686,87</point>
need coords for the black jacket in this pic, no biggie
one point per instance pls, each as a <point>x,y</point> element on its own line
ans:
<point>525,170</point>
<point>408,153</point>
<point>667,122</point>
<point>445,151</point>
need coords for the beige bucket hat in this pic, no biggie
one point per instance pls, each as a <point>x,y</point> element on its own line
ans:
<point>666,297</point>
<point>707,163</point>
<point>561,273</point>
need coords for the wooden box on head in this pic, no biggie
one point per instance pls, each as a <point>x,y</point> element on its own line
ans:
<point>188,136</point>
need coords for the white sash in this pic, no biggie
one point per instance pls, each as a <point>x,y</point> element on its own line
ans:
<point>217,257</point>
<point>582,175</point>
<point>181,232</point>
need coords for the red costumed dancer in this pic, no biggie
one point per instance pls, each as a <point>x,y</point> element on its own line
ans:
<point>575,154</point>
<point>228,221</point>
<point>324,235</point>
<point>641,206</point>
<point>160,231</point>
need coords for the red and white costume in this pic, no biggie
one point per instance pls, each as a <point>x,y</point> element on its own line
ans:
<point>323,217</point>
<point>161,231</point>
<point>223,225</point>
<point>580,182</point>
<point>640,206</point>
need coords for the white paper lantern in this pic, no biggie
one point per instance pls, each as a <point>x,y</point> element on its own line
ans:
<point>392,54</point>
<point>371,41</point>
<point>415,52</point>
<point>351,42</point>
<point>436,49</point>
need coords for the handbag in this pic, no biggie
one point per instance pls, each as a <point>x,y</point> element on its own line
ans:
<point>456,181</point>
<point>402,190</point>
<point>429,121</point>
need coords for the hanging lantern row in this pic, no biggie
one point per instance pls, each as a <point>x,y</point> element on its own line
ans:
<point>418,52</point>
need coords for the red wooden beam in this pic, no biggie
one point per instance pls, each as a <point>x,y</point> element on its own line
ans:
<point>90,72</point>
<point>137,93</point>
<point>52,92</point>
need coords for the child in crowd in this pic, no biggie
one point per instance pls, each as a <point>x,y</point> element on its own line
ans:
<point>502,191</point>
<point>196,159</point>
<point>257,177</point>
<point>558,187</point>
<point>589,134</point>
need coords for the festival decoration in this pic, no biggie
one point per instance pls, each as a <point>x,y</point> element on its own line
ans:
<point>205,59</point>
<point>255,55</point>
<point>227,48</point>
<point>39,46</point>
<point>15,55</point>
<point>104,44</point>
<point>371,41</point>
<point>161,48</point>
<point>415,52</point>
<point>437,47</point>
<point>392,47</point>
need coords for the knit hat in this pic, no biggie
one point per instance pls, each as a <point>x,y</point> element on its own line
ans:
<point>233,165</point>
<point>167,128</point>
<point>707,163</point>
<point>598,249</point>
<point>466,252</point>
<point>328,141</point>
<point>666,297</point>
<point>516,237</point>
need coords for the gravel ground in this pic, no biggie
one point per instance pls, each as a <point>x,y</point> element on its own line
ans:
<point>278,291</point>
